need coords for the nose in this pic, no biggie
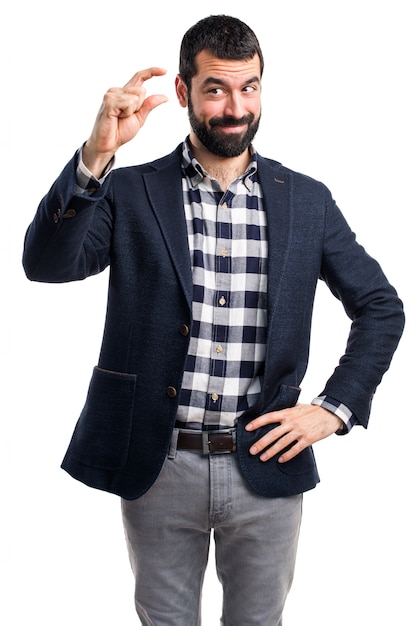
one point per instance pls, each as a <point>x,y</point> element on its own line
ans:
<point>234,106</point>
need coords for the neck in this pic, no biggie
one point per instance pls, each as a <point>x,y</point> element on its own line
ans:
<point>224,169</point>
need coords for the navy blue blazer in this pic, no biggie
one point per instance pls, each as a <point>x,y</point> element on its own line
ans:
<point>135,223</point>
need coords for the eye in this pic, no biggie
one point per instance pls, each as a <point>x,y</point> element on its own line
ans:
<point>215,91</point>
<point>249,89</point>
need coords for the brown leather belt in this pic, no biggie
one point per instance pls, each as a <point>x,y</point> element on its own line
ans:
<point>207,442</point>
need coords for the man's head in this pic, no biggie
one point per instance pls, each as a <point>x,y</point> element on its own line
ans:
<point>224,37</point>
<point>219,80</point>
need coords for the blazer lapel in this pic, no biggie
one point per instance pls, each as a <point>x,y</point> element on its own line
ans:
<point>164,189</point>
<point>276,184</point>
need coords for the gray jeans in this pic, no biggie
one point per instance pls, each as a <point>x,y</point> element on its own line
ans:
<point>168,532</point>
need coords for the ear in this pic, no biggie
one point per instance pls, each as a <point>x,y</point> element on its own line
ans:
<point>181,91</point>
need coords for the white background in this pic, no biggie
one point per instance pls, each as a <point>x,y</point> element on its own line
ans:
<point>339,104</point>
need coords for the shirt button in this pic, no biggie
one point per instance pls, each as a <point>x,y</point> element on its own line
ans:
<point>219,349</point>
<point>224,205</point>
<point>215,397</point>
<point>172,391</point>
<point>222,301</point>
<point>224,252</point>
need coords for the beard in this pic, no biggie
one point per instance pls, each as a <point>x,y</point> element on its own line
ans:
<point>224,144</point>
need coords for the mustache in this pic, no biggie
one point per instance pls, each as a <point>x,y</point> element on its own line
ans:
<point>231,121</point>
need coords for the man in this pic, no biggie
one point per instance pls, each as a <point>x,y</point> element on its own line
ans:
<point>214,254</point>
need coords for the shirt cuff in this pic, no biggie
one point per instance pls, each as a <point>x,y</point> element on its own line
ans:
<point>86,182</point>
<point>340,410</point>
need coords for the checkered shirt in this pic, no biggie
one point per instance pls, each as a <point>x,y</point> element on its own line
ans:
<point>227,233</point>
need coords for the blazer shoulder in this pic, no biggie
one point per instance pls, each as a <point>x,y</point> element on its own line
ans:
<point>169,161</point>
<point>271,170</point>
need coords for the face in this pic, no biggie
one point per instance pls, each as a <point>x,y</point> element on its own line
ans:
<point>224,103</point>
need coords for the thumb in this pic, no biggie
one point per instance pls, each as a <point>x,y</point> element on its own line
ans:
<point>151,103</point>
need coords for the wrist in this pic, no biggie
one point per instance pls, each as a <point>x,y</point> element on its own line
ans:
<point>95,162</point>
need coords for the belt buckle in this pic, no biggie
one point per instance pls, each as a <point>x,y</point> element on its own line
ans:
<point>206,443</point>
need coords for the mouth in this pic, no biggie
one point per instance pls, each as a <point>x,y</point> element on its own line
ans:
<point>232,129</point>
<point>231,126</point>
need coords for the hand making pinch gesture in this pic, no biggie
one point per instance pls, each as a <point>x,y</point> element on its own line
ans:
<point>123,112</point>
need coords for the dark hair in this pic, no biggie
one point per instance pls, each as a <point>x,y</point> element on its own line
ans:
<point>223,36</point>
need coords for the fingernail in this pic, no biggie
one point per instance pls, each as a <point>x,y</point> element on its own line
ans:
<point>253,450</point>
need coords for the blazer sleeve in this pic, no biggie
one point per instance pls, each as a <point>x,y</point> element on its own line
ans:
<point>70,235</point>
<point>374,307</point>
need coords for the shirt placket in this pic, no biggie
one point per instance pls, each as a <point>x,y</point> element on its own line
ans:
<point>221,309</point>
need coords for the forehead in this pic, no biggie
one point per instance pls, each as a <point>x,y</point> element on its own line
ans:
<point>208,65</point>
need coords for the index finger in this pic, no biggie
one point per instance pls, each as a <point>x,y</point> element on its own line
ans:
<point>263,420</point>
<point>140,77</point>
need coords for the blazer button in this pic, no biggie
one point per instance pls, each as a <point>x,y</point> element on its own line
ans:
<point>70,213</point>
<point>172,391</point>
<point>184,330</point>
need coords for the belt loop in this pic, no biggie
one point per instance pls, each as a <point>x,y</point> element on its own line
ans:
<point>234,440</point>
<point>172,451</point>
<point>205,442</point>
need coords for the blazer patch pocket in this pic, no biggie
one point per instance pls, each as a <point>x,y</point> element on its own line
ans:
<point>103,432</point>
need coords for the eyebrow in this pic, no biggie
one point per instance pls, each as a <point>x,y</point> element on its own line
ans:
<point>212,80</point>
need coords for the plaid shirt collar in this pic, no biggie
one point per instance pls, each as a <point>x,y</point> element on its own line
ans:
<point>196,173</point>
